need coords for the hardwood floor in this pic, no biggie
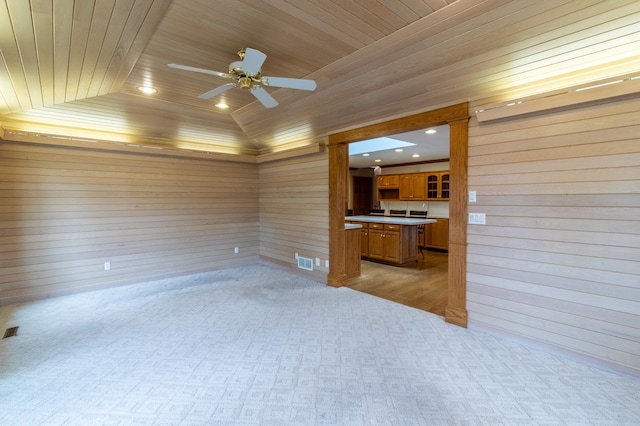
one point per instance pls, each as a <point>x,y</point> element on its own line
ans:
<point>422,285</point>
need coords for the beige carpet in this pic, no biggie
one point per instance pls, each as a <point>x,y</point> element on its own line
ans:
<point>259,346</point>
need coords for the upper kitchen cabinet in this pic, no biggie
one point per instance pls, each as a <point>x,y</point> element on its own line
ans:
<point>412,187</point>
<point>388,181</point>
<point>438,186</point>
<point>388,187</point>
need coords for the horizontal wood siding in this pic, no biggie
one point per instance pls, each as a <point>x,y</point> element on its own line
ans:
<point>294,215</point>
<point>559,258</point>
<point>65,212</point>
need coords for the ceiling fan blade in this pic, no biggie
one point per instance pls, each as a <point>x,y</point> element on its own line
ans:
<point>253,60</point>
<point>217,91</point>
<point>289,83</point>
<point>263,96</point>
<point>200,70</point>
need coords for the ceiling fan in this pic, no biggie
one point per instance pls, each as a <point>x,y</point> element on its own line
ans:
<point>247,74</point>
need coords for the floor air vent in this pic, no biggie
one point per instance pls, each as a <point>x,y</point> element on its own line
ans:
<point>9,332</point>
<point>305,263</point>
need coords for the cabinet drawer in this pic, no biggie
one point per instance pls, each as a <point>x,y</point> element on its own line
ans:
<point>365,225</point>
<point>376,226</point>
<point>389,227</point>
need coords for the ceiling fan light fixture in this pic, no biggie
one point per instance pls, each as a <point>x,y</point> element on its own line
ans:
<point>222,105</point>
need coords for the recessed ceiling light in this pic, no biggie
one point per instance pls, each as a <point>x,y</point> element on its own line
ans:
<point>377,161</point>
<point>399,150</point>
<point>222,105</point>
<point>147,90</point>
<point>430,131</point>
<point>365,155</point>
<point>416,155</point>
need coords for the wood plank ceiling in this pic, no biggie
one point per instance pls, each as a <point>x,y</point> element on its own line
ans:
<point>72,68</point>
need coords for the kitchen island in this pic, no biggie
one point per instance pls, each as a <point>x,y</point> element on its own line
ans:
<point>389,239</point>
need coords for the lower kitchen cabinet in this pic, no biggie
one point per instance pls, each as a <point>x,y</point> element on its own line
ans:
<point>437,235</point>
<point>364,240</point>
<point>376,241</point>
<point>396,244</point>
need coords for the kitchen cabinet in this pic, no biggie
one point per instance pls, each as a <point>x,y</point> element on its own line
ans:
<point>388,187</point>
<point>364,239</point>
<point>431,186</point>
<point>412,187</point>
<point>376,241</point>
<point>437,235</point>
<point>388,181</point>
<point>444,185</point>
<point>437,185</point>
<point>391,244</point>
<point>396,244</point>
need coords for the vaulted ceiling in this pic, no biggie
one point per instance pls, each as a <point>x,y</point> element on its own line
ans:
<point>70,69</point>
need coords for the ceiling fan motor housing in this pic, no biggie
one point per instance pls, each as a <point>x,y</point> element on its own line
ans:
<point>245,79</point>
<point>244,82</point>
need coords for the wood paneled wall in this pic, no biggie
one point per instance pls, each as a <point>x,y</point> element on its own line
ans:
<point>558,261</point>
<point>64,212</point>
<point>294,216</point>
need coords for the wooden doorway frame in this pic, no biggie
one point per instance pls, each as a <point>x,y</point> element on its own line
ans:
<point>457,117</point>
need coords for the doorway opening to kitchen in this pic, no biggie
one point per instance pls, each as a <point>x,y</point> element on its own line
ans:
<point>404,175</point>
<point>456,117</point>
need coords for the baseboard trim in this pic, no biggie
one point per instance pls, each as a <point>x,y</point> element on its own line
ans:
<point>583,358</point>
<point>53,294</point>
<point>314,275</point>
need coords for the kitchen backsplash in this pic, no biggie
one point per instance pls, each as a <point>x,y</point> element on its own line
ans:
<point>438,209</point>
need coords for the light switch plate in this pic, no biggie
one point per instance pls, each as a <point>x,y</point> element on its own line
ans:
<point>477,219</point>
<point>472,196</point>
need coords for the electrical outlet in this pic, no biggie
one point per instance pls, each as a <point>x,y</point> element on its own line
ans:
<point>326,263</point>
<point>317,261</point>
<point>297,256</point>
<point>235,250</point>
<point>472,196</point>
<point>107,266</point>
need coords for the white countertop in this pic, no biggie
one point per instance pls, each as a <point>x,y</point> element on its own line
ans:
<point>352,226</point>
<point>389,219</point>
